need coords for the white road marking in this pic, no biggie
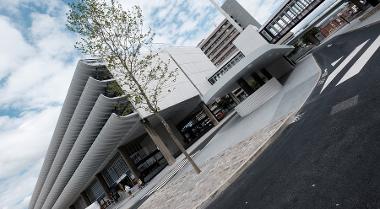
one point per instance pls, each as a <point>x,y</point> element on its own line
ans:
<point>359,64</point>
<point>342,65</point>
<point>336,61</point>
<point>323,77</point>
<point>344,105</point>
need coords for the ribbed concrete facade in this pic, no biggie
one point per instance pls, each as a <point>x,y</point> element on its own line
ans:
<point>86,116</point>
<point>79,126</point>
<point>81,75</point>
<point>108,139</point>
<point>78,148</point>
<point>97,120</point>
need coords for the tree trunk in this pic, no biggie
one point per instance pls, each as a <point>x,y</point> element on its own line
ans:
<point>163,121</point>
<point>158,142</point>
<point>177,142</point>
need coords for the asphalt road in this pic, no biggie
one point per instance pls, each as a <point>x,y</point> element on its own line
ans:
<point>330,158</point>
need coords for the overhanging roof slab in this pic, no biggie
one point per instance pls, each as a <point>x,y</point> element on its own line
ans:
<point>254,61</point>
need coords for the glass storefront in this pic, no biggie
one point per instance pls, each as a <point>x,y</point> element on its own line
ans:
<point>222,106</point>
<point>147,158</point>
<point>194,126</point>
<point>95,191</point>
<point>117,171</point>
<point>249,84</point>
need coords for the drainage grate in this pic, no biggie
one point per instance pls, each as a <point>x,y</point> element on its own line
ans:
<point>346,104</point>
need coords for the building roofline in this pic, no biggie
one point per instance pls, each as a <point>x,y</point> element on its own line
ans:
<point>204,41</point>
<point>82,72</point>
<point>274,14</point>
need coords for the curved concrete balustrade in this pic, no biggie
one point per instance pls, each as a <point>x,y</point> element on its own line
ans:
<point>84,113</point>
<point>259,97</point>
<point>81,75</point>
<point>78,151</point>
<point>107,141</point>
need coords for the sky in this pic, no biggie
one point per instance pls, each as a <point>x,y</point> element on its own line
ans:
<point>37,61</point>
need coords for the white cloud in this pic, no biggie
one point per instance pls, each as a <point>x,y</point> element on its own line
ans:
<point>15,192</point>
<point>14,6</point>
<point>25,143</point>
<point>46,30</point>
<point>39,73</point>
<point>261,9</point>
<point>39,82</point>
<point>178,22</point>
<point>13,47</point>
<point>36,66</point>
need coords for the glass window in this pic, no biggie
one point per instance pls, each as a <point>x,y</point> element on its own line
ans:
<point>290,14</point>
<point>277,27</point>
<point>116,169</point>
<point>286,19</point>
<point>95,191</point>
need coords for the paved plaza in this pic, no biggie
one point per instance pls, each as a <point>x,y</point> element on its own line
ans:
<point>236,133</point>
<point>231,147</point>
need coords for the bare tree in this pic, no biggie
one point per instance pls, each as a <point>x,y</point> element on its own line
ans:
<point>119,37</point>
